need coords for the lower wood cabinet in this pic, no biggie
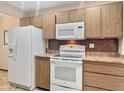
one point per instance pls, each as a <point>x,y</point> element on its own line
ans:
<point>90,88</point>
<point>43,73</point>
<point>103,76</point>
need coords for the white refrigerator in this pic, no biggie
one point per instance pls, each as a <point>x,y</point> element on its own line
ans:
<point>24,43</point>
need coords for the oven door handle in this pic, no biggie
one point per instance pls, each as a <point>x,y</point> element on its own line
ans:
<point>54,60</point>
<point>65,61</point>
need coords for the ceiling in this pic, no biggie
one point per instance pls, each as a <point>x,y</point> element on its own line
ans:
<point>28,6</point>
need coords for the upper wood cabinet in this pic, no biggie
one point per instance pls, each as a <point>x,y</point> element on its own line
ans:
<point>25,21</point>
<point>76,15</point>
<point>37,21</point>
<point>70,16</point>
<point>104,21</point>
<point>111,20</point>
<point>49,26</point>
<point>92,22</point>
<point>62,17</point>
<point>100,22</point>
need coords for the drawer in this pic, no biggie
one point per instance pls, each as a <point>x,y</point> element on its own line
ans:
<point>104,81</point>
<point>104,68</point>
<point>89,88</point>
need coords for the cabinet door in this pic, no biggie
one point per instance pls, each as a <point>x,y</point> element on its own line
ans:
<point>37,21</point>
<point>37,72</point>
<point>25,21</point>
<point>111,20</point>
<point>62,17</point>
<point>43,74</point>
<point>104,81</point>
<point>49,26</point>
<point>77,15</point>
<point>90,88</point>
<point>92,22</point>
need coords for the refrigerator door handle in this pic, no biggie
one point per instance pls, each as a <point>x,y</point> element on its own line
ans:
<point>15,51</point>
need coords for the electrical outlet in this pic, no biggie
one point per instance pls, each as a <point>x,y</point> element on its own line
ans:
<point>91,45</point>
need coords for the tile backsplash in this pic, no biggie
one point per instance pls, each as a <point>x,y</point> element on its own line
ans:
<point>97,45</point>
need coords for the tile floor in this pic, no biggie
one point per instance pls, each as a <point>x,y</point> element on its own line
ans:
<point>4,84</point>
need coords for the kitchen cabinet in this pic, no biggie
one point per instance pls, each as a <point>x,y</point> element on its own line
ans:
<point>92,22</point>
<point>111,20</point>
<point>76,15</point>
<point>43,72</point>
<point>37,21</point>
<point>49,26</point>
<point>104,21</point>
<point>62,17</point>
<point>103,76</point>
<point>100,22</point>
<point>89,88</point>
<point>25,21</point>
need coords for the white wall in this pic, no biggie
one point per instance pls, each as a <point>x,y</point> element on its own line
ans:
<point>121,40</point>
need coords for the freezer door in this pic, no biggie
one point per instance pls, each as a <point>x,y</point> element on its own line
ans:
<point>24,62</point>
<point>12,64</point>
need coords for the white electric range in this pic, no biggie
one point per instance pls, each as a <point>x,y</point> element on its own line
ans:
<point>66,68</point>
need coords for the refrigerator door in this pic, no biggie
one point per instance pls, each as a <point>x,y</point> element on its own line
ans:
<point>24,62</point>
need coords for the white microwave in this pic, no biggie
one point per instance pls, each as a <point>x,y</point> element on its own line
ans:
<point>70,31</point>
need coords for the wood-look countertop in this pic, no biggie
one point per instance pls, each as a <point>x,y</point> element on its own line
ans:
<point>47,55</point>
<point>105,59</point>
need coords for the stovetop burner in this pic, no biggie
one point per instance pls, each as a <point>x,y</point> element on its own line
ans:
<point>70,52</point>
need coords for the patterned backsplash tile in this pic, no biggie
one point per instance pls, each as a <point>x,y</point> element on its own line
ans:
<point>100,45</point>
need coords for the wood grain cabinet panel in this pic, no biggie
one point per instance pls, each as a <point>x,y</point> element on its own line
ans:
<point>49,26</point>
<point>104,81</point>
<point>92,22</point>
<point>62,17</point>
<point>90,88</point>
<point>37,21</point>
<point>111,20</point>
<point>104,68</point>
<point>25,21</point>
<point>103,75</point>
<point>43,73</point>
<point>76,15</point>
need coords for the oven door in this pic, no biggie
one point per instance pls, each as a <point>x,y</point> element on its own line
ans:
<point>66,74</point>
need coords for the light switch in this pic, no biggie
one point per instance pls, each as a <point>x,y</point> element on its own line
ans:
<point>91,45</point>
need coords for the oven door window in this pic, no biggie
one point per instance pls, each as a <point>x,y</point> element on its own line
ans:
<point>65,73</point>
